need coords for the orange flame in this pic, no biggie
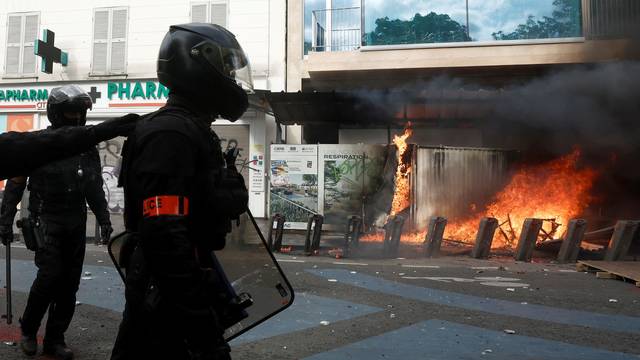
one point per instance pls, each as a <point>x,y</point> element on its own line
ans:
<point>401,195</point>
<point>556,191</point>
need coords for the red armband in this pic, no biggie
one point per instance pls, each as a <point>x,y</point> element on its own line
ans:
<point>165,205</point>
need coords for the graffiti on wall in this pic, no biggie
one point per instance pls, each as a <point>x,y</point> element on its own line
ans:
<point>110,158</point>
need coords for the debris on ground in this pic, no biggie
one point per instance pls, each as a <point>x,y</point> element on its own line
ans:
<point>509,331</point>
<point>78,303</point>
<point>613,300</point>
<point>324,322</point>
<point>87,273</point>
<point>511,289</point>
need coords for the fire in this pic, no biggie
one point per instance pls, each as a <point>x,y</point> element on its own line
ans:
<point>556,191</point>
<point>401,195</point>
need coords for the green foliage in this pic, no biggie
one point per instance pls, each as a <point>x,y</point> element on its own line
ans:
<point>565,21</point>
<point>431,28</point>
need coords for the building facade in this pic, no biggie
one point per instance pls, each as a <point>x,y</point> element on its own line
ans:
<point>112,48</point>
<point>358,46</point>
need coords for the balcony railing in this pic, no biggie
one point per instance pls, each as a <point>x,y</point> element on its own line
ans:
<point>336,29</point>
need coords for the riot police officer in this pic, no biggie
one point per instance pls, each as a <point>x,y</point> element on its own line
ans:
<point>180,198</point>
<point>59,192</point>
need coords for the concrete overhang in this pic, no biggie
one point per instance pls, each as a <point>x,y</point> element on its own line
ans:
<point>470,59</point>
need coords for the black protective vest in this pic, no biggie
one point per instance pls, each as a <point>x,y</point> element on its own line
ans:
<point>209,215</point>
<point>61,186</point>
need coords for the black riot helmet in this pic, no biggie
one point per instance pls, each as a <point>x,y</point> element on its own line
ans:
<point>205,62</point>
<point>68,99</point>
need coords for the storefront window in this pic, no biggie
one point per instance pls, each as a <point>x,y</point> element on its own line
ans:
<point>442,21</point>
<point>414,22</point>
<point>524,19</point>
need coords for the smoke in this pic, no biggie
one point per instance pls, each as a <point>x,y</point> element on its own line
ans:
<point>592,107</point>
<point>596,108</point>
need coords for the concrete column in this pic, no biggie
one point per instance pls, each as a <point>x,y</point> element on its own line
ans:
<point>623,235</point>
<point>393,232</point>
<point>314,230</point>
<point>486,231</point>
<point>433,239</point>
<point>571,243</point>
<point>528,237</point>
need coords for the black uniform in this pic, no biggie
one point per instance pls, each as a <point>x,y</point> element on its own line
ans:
<point>59,193</point>
<point>22,152</point>
<point>173,174</point>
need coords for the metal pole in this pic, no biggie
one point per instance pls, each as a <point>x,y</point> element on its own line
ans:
<point>468,19</point>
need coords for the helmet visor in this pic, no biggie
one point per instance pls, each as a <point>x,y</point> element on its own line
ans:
<point>230,62</point>
<point>72,96</point>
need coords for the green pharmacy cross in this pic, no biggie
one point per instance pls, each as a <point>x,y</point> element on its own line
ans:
<point>49,53</point>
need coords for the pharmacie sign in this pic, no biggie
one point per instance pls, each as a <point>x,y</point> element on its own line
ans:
<point>103,95</point>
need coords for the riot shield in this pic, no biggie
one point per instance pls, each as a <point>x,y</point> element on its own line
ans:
<point>248,267</point>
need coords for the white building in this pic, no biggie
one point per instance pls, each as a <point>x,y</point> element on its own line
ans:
<point>112,47</point>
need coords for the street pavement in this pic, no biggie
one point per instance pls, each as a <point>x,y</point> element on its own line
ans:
<point>403,308</point>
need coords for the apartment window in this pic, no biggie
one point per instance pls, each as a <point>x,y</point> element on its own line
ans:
<point>110,28</point>
<point>22,31</point>
<point>214,12</point>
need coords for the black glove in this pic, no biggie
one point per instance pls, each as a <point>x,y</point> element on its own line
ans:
<point>230,157</point>
<point>6,234</point>
<point>105,233</point>
<point>121,126</point>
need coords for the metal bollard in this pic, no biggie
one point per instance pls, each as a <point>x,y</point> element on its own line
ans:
<point>484,239</point>
<point>393,232</point>
<point>433,238</point>
<point>312,241</point>
<point>623,235</point>
<point>352,235</point>
<point>276,244</point>
<point>528,237</point>
<point>571,244</point>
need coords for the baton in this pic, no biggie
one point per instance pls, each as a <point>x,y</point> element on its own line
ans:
<point>8,263</point>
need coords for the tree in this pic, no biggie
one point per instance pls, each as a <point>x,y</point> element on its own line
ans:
<point>431,28</point>
<point>565,21</point>
<point>309,179</point>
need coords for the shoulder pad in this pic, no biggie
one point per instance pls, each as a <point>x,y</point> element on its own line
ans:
<point>166,119</point>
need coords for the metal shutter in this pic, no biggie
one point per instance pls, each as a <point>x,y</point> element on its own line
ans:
<point>219,14</point>
<point>199,13</point>
<point>100,41</point>
<point>30,36</point>
<point>14,29</point>
<point>118,41</point>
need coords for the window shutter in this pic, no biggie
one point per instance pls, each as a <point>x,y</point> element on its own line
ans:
<point>14,29</point>
<point>118,40</point>
<point>100,41</point>
<point>219,14</point>
<point>30,35</point>
<point>199,13</point>
<point>13,59</point>
<point>118,57</point>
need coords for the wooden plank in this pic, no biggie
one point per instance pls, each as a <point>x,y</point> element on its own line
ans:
<point>580,267</point>
<point>625,269</point>
<point>605,275</point>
